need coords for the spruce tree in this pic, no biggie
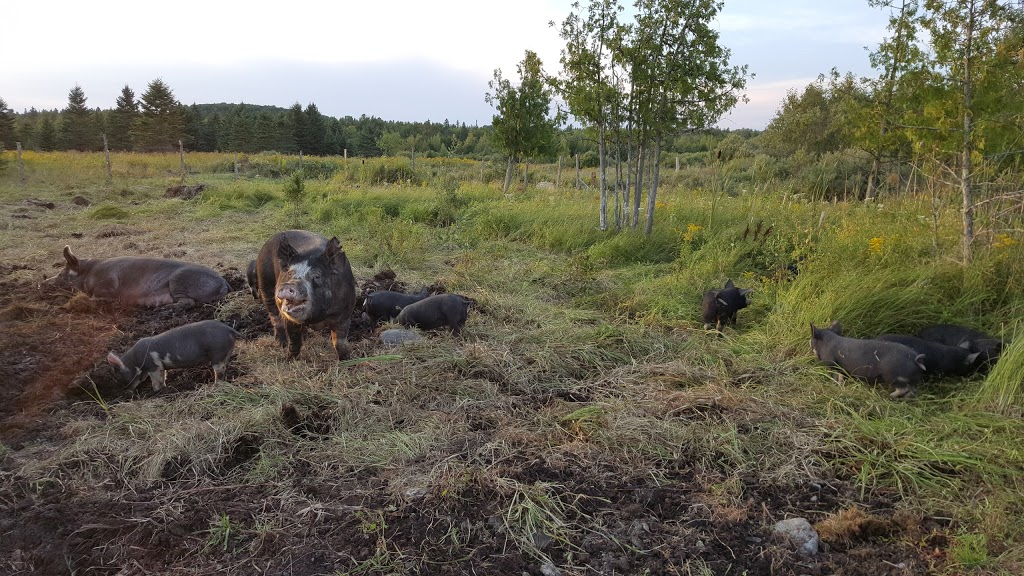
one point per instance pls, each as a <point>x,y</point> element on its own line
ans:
<point>121,120</point>
<point>160,125</point>
<point>78,128</point>
<point>315,140</point>
<point>7,137</point>
<point>47,134</point>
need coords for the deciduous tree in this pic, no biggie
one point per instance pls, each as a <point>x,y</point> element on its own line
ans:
<point>523,126</point>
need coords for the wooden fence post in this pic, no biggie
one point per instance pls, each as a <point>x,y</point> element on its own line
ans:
<point>558,180</point>
<point>106,155</point>
<point>21,165</point>
<point>300,159</point>
<point>577,171</point>
<point>181,154</point>
<point>482,163</point>
<point>236,166</point>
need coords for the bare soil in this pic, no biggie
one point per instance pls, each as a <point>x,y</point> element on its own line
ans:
<point>52,349</point>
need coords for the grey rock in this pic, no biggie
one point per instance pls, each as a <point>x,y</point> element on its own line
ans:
<point>800,535</point>
<point>397,337</point>
<point>549,569</point>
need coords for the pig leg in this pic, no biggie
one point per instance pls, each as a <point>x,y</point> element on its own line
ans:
<point>157,377</point>
<point>904,392</point>
<point>219,369</point>
<point>339,339</point>
<point>294,337</point>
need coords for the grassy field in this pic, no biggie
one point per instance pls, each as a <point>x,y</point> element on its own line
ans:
<point>584,422</point>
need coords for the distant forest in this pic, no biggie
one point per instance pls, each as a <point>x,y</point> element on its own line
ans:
<point>252,128</point>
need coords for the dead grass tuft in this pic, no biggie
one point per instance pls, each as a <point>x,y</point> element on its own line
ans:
<point>853,524</point>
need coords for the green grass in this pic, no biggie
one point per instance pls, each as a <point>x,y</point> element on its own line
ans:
<point>586,348</point>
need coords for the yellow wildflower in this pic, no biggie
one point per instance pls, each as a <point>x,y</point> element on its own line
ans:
<point>1003,240</point>
<point>691,231</point>
<point>875,245</point>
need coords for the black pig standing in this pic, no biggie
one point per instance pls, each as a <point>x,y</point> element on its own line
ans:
<point>720,306</point>
<point>939,359</point>
<point>989,347</point>
<point>186,346</point>
<point>892,363</point>
<point>385,304</point>
<point>449,310</point>
<point>306,279</point>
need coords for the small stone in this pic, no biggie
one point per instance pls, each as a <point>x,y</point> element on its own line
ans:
<point>397,337</point>
<point>549,569</point>
<point>800,535</point>
<point>415,493</point>
<point>81,201</point>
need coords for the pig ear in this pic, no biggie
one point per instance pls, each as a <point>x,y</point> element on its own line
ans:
<point>745,291</point>
<point>836,327</point>
<point>285,251</point>
<point>729,284</point>
<point>114,360</point>
<point>71,258</point>
<point>333,250</point>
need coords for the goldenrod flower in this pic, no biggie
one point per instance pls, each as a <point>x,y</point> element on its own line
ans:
<point>875,245</point>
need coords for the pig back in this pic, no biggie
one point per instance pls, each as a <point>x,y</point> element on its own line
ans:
<point>153,281</point>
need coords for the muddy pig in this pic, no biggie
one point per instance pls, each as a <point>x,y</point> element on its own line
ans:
<point>989,347</point>
<point>892,363</point>
<point>306,279</point>
<point>250,279</point>
<point>720,306</point>
<point>939,359</point>
<point>437,311</point>
<point>385,304</point>
<point>134,281</point>
<point>186,346</point>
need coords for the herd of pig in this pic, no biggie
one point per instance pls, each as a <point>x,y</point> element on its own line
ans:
<point>900,361</point>
<point>303,279</point>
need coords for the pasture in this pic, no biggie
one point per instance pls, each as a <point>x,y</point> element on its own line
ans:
<point>583,423</point>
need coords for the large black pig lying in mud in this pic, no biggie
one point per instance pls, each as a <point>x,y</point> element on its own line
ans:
<point>137,281</point>
<point>305,279</point>
<point>196,344</point>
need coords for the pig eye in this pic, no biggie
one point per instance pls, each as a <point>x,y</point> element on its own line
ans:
<point>316,276</point>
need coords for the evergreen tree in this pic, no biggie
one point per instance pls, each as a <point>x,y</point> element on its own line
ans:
<point>314,140</point>
<point>297,123</point>
<point>78,128</point>
<point>122,118</point>
<point>47,134</point>
<point>160,124</point>
<point>7,138</point>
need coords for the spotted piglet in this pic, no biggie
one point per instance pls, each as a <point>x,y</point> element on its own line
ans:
<point>186,346</point>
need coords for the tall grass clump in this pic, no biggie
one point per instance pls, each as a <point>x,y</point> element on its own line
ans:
<point>1003,388</point>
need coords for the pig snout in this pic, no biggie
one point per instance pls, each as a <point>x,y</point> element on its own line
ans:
<point>291,293</point>
<point>293,301</point>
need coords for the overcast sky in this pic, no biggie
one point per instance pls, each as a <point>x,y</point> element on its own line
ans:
<point>409,60</point>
